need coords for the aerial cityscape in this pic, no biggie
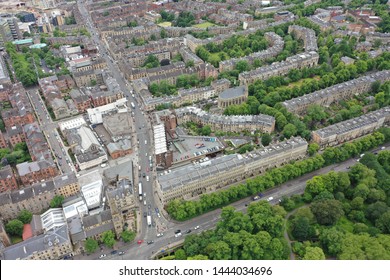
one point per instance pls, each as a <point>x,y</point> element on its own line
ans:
<point>194,130</point>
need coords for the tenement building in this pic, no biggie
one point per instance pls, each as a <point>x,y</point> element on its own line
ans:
<point>335,93</point>
<point>191,181</point>
<point>307,35</point>
<point>36,198</point>
<point>259,122</point>
<point>298,61</point>
<point>351,129</point>
<point>52,245</point>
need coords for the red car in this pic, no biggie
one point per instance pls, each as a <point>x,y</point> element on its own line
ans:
<point>140,241</point>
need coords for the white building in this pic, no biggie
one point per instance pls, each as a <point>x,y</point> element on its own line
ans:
<point>91,185</point>
<point>53,218</point>
<point>96,114</point>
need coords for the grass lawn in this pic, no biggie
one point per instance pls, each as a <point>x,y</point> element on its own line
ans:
<point>204,25</point>
<point>300,82</point>
<point>165,24</point>
<point>16,239</point>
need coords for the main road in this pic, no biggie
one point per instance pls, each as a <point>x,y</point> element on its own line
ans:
<point>142,138</point>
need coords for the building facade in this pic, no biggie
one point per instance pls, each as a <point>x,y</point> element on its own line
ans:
<point>189,182</point>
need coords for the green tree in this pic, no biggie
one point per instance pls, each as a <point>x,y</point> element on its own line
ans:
<point>314,253</point>
<point>289,130</point>
<point>91,245</point>
<point>313,148</point>
<point>14,227</point>
<point>266,139</point>
<point>180,254</point>
<point>56,201</point>
<point>331,240</point>
<point>25,216</point>
<point>128,236</point>
<point>108,238</point>
<point>206,130</point>
<point>327,212</point>
<point>301,228</point>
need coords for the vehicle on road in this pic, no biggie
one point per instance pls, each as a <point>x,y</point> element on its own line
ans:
<point>188,231</point>
<point>121,253</point>
<point>160,234</point>
<point>145,214</point>
<point>147,178</point>
<point>102,256</point>
<point>132,105</point>
<point>140,241</point>
<point>149,220</point>
<point>140,191</point>
<point>197,227</point>
<point>178,234</point>
<point>177,231</point>
<point>145,202</point>
<point>382,148</point>
<point>150,242</point>
<point>270,198</point>
<point>149,206</point>
<point>114,252</point>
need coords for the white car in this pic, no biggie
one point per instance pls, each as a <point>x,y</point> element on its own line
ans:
<point>197,227</point>
<point>270,198</point>
<point>160,234</point>
<point>178,234</point>
<point>147,178</point>
<point>102,256</point>
<point>383,148</point>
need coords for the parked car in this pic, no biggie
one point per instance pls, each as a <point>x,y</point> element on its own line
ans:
<point>121,253</point>
<point>114,252</point>
<point>150,242</point>
<point>102,256</point>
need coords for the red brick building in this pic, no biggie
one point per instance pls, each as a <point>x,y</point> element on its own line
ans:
<point>7,179</point>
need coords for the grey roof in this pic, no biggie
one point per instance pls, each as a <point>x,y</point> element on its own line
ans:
<point>260,119</point>
<point>184,175</point>
<point>39,243</point>
<point>122,170</point>
<point>233,92</point>
<point>355,123</point>
<point>313,97</point>
<point>120,145</point>
<point>94,220</point>
<point>6,172</point>
<point>36,189</point>
<point>89,178</point>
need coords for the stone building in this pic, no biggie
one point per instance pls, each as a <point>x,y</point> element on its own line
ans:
<point>299,61</point>
<point>121,201</point>
<point>52,245</point>
<point>36,198</point>
<point>259,122</point>
<point>233,96</point>
<point>307,35</point>
<point>351,129</point>
<point>336,93</point>
<point>191,181</point>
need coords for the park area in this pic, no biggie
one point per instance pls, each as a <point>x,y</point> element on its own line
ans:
<point>204,25</point>
<point>165,24</point>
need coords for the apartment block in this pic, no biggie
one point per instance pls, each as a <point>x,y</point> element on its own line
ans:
<point>259,122</point>
<point>191,181</point>
<point>336,93</point>
<point>299,61</point>
<point>351,129</point>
